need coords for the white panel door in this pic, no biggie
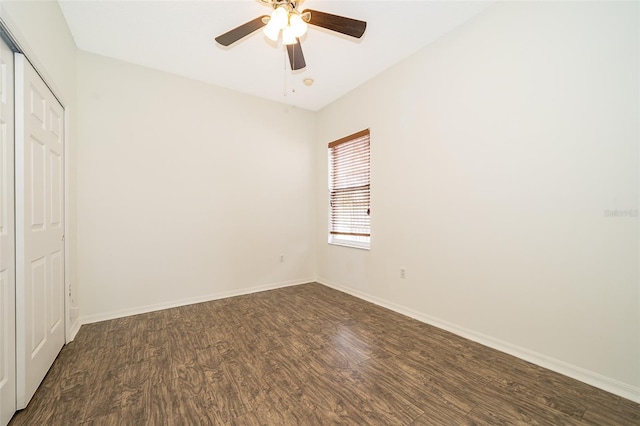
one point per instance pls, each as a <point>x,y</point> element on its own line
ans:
<point>7,241</point>
<point>39,229</point>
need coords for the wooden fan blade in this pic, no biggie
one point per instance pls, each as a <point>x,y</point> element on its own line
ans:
<point>243,30</point>
<point>296,58</point>
<point>348,26</point>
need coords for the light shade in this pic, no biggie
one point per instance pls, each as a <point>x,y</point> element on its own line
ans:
<point>271,31</point>
<point>288,36</point>
<point>298,26</point>
<point>280,17</point>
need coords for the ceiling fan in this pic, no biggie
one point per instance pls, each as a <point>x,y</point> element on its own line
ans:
<point>293,23</point>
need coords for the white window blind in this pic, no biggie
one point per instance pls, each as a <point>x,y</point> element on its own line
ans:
<point>349,187</point>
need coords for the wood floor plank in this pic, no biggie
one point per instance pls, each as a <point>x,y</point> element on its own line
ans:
<point>624,413</point>
<point>301,355</point>
<point>503,411</point>
<point>541,395</point>
<point>438,413</point>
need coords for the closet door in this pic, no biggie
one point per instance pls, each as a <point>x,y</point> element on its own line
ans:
<point>7,240</point>
<point>40,317</point>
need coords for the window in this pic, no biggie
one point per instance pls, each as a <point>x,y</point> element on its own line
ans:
<point>349,191</point>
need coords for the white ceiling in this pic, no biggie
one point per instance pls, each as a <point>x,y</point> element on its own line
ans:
<point>178,37</point>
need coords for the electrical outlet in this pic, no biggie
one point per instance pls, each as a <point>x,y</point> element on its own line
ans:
<point>403,273</point>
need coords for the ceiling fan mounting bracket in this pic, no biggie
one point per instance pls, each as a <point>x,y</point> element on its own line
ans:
<point>291,5</point>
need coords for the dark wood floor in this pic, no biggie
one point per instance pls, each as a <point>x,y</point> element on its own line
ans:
<point>304,355</point>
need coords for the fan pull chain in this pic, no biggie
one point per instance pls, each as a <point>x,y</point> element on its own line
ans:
<point>284,57</point>
<point>293,60</point>
<point>285,63</point>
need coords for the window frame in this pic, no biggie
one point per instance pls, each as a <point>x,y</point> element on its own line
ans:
<point>345,238</point>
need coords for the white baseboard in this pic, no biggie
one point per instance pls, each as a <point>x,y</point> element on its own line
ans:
<point>589,377</point>
<point>188,301</point>
<point>73,330</point>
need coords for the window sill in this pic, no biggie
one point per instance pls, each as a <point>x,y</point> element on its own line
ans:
<point>351,244</point>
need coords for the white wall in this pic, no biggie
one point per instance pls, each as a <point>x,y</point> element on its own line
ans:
<point>43,33</point>
<point>187,191</point>
<point>495,153</point>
